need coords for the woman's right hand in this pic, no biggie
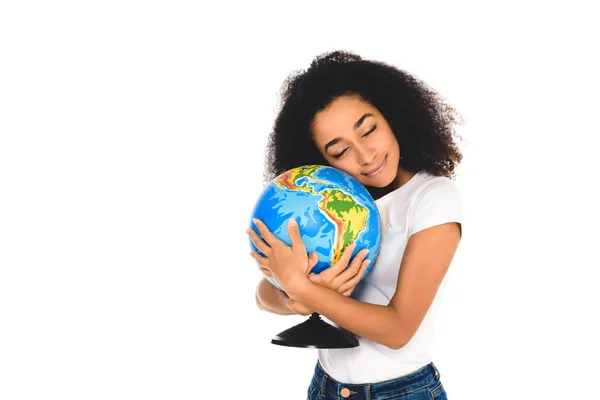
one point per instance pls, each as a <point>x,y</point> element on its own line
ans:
<point>340,277</point>
<point>297,306</point>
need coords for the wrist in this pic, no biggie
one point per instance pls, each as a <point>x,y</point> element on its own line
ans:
<point>298,288</point>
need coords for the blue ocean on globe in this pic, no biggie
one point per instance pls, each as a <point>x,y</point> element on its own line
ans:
<point>332,209</point>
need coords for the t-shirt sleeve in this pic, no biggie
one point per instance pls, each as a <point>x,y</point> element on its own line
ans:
<point>439,203</point>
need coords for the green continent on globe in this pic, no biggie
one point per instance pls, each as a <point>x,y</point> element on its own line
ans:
<point>348,216</point>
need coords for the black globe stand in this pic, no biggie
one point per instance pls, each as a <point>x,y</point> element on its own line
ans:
<point>316,333</point>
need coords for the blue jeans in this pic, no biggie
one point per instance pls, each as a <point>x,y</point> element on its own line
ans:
<point>423,384</point>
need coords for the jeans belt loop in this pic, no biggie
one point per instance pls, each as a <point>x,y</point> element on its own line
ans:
<point>324,385</point>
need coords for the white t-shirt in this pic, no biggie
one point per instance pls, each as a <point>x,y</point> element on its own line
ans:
<point>424,201</point>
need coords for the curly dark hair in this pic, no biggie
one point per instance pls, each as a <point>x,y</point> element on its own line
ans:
<point>421,120</point>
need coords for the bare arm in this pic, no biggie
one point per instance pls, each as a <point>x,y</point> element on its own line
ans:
<point>425,262</point>
<point>271,299</point>
<point>341,277</point>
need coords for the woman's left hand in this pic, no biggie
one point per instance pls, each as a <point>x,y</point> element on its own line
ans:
<point>289,266</point>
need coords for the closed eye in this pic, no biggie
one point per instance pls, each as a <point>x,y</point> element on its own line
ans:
<point>338,155</point>
<point>371,131</point>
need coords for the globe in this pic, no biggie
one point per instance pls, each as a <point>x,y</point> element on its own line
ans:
<point>332,209</point>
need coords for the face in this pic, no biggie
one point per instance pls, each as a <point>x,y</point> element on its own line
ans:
<point>353,136</point>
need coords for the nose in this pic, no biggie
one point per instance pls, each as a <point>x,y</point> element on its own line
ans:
<point>366,155</point>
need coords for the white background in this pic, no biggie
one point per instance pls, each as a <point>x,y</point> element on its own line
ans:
<point>132,138</point>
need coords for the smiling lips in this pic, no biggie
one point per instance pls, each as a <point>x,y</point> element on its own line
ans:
<point>377,169</point>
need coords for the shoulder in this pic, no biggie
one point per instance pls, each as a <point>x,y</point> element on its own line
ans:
<point>437,200</point>
<point>437,186</point>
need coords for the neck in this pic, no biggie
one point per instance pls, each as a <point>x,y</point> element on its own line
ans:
<point>403,177</point>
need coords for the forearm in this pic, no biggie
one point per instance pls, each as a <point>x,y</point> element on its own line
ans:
<point>380,324</point>
<point>271,299</point>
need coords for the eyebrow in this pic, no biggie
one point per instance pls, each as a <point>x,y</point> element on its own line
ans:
<point>357,124</point>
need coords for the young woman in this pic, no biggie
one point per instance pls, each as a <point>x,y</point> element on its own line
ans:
<point>395,135</point>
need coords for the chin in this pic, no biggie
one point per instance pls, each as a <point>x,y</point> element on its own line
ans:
<point>380,181</point>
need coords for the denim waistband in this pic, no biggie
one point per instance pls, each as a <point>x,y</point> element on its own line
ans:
<point>373,391</point>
